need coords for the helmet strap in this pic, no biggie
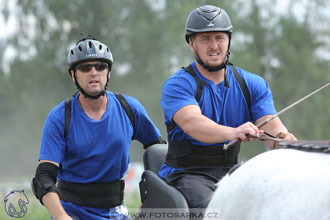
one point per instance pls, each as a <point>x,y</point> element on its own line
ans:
<point>102,93</point>
<point>216,68</point>
<point>210,68</point>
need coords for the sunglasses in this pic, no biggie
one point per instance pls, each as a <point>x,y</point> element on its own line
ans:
<point>86,67</point>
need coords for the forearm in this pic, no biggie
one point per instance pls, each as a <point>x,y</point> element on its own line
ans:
<point>52,203</point>
<point>275,127</point>
<point>196,125</point>
<point>205,130</point>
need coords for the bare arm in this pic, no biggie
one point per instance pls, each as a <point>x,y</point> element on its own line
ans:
<point>52,202</point>
<point>203,129</point>
<point>274,127</point>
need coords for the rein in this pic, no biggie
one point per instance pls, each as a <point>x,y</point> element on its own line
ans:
<point>225,147</point>
<point>307,145</point>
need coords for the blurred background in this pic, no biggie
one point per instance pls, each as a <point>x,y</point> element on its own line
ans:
<point>285,41</point>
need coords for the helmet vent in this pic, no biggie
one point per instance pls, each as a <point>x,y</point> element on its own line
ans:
<point>100,47</point>
<point>80,48</point>
<point>72,52</point>
<point>107,49</point>
<point>208,9</point>
<point>90,44</point>
<point>210,13</point>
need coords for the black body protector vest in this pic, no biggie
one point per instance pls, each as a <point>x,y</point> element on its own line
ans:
<point>183,154</point>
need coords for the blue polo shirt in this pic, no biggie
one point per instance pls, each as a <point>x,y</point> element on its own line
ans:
<point>225,106</point>
<point>94,150</point>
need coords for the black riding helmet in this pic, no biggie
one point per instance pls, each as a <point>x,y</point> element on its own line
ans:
<point>209,18</point>
<point>89,49</point>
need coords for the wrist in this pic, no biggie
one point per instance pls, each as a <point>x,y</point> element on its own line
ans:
<point>62,216</point>
<point>229,133</point>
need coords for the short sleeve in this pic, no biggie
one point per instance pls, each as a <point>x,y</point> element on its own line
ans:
<point>52,141</point>
<point>177,92</point>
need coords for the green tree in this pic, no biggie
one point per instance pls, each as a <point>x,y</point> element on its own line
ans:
<point>146,38</point>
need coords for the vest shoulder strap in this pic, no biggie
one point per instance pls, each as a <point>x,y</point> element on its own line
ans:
<point>244,88</point>
<point>126,107</point>
<point>67,116</point>
<point>120,98</point>
<point>200,83</point>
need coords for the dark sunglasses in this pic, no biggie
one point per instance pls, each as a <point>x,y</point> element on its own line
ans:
<point>86,67</point>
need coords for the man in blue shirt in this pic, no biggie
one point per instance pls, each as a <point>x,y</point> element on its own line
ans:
<point>206,105</point>
<point>89,154</point>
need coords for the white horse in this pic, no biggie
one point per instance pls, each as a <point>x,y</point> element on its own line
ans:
<point>283,184</point>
